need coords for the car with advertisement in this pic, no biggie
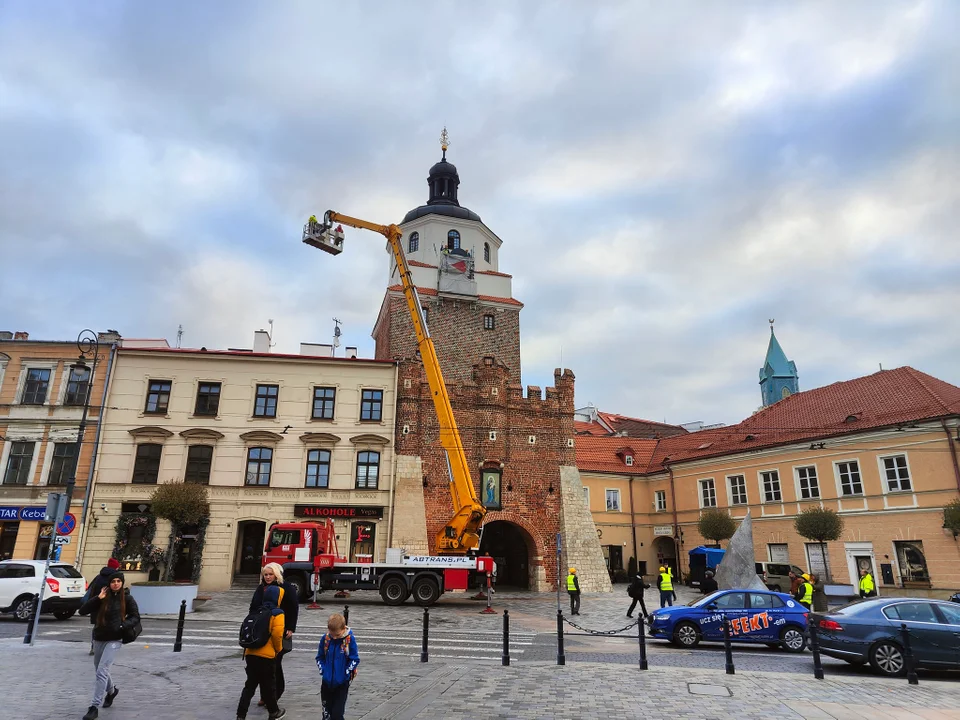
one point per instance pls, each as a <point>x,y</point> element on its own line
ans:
<point>20,581</point>
<point>755,616</point>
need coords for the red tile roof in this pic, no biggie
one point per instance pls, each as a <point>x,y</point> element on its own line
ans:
<point>636,427</point>
<point>599,454</point>
<point>485,298</point>
<point>589,428</point>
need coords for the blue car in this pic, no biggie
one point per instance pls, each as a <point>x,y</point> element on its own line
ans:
<point>756,616</point>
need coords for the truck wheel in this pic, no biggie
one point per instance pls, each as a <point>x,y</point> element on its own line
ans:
<point>300,583</point>
<point>394,591</point>
<point>425,592</point>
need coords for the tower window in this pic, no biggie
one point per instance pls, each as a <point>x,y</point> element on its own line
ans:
<point>414,244</point>
<point>453,240</point>
<point>488,322</point>
<point>486,252</point>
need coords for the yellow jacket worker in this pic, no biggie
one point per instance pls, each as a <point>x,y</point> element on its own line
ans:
<point>573,589</point>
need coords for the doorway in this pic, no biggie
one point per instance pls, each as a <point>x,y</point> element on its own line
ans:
<point>666,550</point>
<point>362,542</point>
<point>249,554</point>
<point>43,542</point>
<point>507,544</point>
<point>8,539</point>
<point>860,557</point>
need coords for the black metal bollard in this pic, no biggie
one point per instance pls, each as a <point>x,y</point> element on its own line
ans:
<point>505,659</point>
<point>424,656</point>
<point>28,636</point>
<point>346,614</point>
<point>178,643</point>
<point>815,649</point>
<point>561,658</point>
<point>727,648</point>
<point>641,632</point>
<point>908,655</point>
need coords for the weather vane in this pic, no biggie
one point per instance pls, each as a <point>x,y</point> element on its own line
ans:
<point>771,321</point>
<point>444,141</point>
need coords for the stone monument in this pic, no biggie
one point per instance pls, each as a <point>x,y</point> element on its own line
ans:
<point>738,568</point>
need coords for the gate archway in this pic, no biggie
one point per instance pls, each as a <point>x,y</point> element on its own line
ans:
<point>511,547</point>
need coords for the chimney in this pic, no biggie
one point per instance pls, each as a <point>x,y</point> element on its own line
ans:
<point>316,350</point>
<point>261,341</point>
<point>351,352</point>
<point>110,336</point>
<point>6,335</point>
<point>21,335</point>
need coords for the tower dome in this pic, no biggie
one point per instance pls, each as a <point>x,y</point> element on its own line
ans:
<point>443,182</point>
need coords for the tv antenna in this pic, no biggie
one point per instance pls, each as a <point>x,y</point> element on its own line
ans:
<point>336,334</point>
<point>179,334</point>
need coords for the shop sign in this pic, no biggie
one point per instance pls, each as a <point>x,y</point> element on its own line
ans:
<point>9,512</point>
<point>663,530</point>
<point>339,511</point>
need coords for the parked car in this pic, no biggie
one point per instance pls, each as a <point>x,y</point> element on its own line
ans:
<point>756,616</point>
<point>774,575</point>
<point>869,631</point>
<point>20,581</point>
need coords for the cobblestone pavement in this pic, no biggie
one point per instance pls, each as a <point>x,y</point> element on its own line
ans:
<point>204,683</point>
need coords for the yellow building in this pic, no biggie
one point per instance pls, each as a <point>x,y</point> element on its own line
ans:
<point>881,450</point>
<point>276,438</point>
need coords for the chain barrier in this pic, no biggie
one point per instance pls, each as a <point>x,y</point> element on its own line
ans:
<point>601,632</point>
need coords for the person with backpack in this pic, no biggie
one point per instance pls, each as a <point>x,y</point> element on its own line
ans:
<point>116,622</point>
<point>272,574</point>
<point>337,660</point>
<point>261,637</point>
<point>635,591</point>
<point>97,584</point>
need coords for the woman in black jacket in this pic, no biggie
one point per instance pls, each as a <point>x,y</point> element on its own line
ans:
<point>272,574</point>
<point>113,609</point>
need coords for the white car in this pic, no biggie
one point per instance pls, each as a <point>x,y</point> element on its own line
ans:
<point>20,581</point>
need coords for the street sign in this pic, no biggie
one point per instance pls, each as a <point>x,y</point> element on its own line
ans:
<point>67,525</point>
<point>56,507</point>
<point>63,540</point>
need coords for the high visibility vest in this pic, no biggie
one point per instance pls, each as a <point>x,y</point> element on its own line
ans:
<point>807,593</point>
<point>571,583</point>
<point>866,583</point>
<point>666,583</point>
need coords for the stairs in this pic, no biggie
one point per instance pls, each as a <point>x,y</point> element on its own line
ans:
<point>245,582</point>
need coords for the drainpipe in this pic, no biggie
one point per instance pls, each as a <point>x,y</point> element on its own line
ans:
<point>676,524</point>
<point>393,485</point>
<point>953,452</point>
<point>88,490</point>
<point>633,526</point>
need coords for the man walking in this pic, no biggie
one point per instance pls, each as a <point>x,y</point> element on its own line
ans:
<point>637,586</point>
<point>867,587</point>
<point>573,589</point>
<point>665,586</point>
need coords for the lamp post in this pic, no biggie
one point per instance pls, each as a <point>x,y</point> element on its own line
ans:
<point>87,342</point>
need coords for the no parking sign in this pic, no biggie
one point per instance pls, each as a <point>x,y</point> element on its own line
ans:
<point>67,525</point>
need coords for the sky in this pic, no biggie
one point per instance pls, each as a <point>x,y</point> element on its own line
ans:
<point>665,177</point>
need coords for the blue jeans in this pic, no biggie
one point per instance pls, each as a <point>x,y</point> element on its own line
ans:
<point>666,598</point>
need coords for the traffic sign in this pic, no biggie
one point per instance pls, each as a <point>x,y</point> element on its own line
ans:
<point>63,540</point>
<point>67,525</point>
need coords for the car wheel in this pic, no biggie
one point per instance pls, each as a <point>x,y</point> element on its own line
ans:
<point>22,608</point>
<point>394,591</point>
<point>64,614</point>
<point>792,639</point>
<point>425,592</point>
<point>686,635</point>
<point>887,658</point>
<point>299,583</point>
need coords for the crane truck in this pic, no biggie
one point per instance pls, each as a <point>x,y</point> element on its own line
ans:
<point>307,551</point>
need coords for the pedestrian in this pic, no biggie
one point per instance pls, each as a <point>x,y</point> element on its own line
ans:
<point>113,610</point>
<point>819,594</point>
<point>867,586</point>
<point>709,584</point>
<point>635,591</point>
<point>260,661</point>
<point>804,593</point>
<point>573,590</point>
<point>665,586</point>
<point>337,661</point>
<point>272,574</point>
<point>98,583</point>
<point>794,582</point>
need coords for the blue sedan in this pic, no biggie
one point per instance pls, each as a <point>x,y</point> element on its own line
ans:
<point>756,616</point>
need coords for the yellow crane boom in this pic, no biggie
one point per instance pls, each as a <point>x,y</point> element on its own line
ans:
<point>460,534</point>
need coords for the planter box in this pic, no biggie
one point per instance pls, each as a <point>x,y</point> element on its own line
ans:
<point>163,599</point>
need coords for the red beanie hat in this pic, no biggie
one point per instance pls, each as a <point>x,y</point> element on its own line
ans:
<point>113,564</point>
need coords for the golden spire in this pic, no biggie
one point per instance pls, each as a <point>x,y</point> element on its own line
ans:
<point>444,141</point>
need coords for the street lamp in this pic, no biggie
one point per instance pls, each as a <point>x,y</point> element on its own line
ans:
<point>87,343</point>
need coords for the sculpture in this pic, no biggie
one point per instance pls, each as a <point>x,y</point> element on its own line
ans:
<point>738,568</point>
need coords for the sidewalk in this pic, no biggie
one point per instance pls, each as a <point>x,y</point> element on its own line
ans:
<point>157,684</point>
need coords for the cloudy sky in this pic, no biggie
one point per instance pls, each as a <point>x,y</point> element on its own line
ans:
<point>665,177</point>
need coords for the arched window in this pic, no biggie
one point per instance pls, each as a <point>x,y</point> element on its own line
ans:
<point>486,252</point>
<point>453,240</point>
<point>414,242</point>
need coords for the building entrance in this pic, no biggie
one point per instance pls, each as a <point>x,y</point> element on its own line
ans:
<point>666,551</point>
<point>509,546</point>
<point>8,539</point>
<point>250,538</point>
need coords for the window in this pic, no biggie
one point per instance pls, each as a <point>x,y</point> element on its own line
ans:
<point>613,501</point>
<point>266,403</point>
<point>199,461</point>
<point>318,468</point>
<point>62,464</point>
<point>488,322</point>
<point>708,493</point>
<point>731,601</point>
<point>911,612</point>
<point>414,243</point>
<point>660,500</point>
<point>898,477</point>
<point>586,496</point>
<point>628,460</point>
<point>371,405</point>
<point>807,479</point>
<point>765,602</point>
<point>158,397</point>
<point>778,552</point>
<point>208,398</point>
<point>453,240</point>
<point>368,469</point>
<point>259,463</point>
<point>486,252</point>
<point>849,473</point>
<point>323,400</point>
<point>950,613</point>
<point>770,480</point>
<point>77,386</point>
<point>18,463</point>
<point>284,537</point>
<point>738,489</point>
<point>35,387</point>
<point>146,468</point>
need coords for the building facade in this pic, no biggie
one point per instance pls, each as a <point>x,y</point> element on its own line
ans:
<point>276,438</point>
<point>41,402</point>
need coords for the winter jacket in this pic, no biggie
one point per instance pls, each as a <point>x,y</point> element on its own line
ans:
<point>708,585</point>
<point>637,586</point>
<point>289,603</point>
<point>113,624</point>
<point>96,585</point>
<point>277,628</point>
<point>337,658</point>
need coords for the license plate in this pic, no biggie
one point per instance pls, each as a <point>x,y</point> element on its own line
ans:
<point>75,587</point>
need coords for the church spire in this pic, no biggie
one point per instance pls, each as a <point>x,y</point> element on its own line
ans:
<point>778,376</point>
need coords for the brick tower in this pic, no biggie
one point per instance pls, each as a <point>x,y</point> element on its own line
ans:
<point>520,448</point>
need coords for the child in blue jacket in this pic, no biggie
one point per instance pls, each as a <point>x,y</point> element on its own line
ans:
<point>337,660</point>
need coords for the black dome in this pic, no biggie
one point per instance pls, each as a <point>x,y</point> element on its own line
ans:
<point>448,210</point>
<point>443,182</point>
<point>444,168</point>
